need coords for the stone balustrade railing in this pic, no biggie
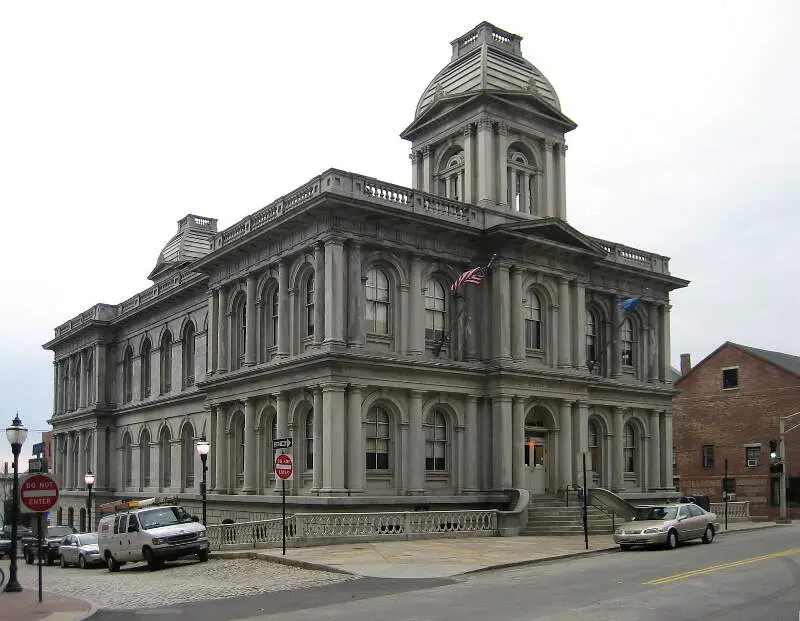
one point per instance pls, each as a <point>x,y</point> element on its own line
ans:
<point>308,529</point>
<point>631,256</point>
<point>738,511</point>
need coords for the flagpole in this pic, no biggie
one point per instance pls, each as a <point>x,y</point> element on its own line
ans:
<point>446,335</point>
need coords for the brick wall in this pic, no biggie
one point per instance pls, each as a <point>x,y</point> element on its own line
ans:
<point>728,420</point>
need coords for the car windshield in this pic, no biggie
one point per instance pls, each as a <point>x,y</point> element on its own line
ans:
<point>656,513</point>
<point>59,531</point>
<point>163,516</point>
<point>87,539</point>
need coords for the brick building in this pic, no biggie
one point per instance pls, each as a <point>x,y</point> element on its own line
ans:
<point>728,408</point>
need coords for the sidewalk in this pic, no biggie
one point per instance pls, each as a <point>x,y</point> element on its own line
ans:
<point>25,606</point>
<point>436,558</point>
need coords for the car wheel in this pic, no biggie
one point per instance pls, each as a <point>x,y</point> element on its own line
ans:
<point>111,563</point>
<point>152,562</point>
<point>62,561</point>
<point>81,562</point>
<point>672,540</point>
<point>203,556</point>
<point>708,536</point>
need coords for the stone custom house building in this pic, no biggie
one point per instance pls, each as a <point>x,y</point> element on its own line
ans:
<point>327,317</point>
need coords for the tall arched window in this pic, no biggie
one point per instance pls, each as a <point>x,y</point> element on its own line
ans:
<point>451,177</point>
<point>165,458</point>
<point>594,446</point>
<point>166,362</point>
<point>377,439</point>
<point>274,317</point>
<point>532,312</point>
<point>127,460</point>
<point>145,362</point>
<point>310,440</point>
<point>77,382</point>
<point>238,438</point>
<point>629,448</point>
<point>627,340</point>
<point>521,183</point>
<point>144,458</point>
<point>435,429</point>
<point>238,336</point>
<point>187,455</point>
<point>378,301</point>
<point>127,376</point>
<point>309,302</point>
<point>187,364</point>
<point>435,308</point>
<point>90,398</point>
<point>592,343</point>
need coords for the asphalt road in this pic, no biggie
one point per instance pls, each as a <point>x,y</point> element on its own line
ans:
<point>742,576</point>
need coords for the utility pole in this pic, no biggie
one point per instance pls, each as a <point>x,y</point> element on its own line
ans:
<point>783,517</point>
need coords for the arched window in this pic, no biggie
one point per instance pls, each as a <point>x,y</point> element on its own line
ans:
<point>187,454</point>
<point>144,458</point>
<point>435,428</point>
<point>77,381</point>
<point>238,438</point>
<point>594,446</point>
<point>166,362</point>
<point>60,516</point>
<point>127,460</point>
<point>310,440</point>
<point>627,340</point>
<point>90,399</point>
<point>592,343</point>
<point>187,364</point>
<point>165,459</point>
<point>629,448</point>
<point>532,312</point>
<point>435,308</point>
<point>378,301</point>
<point>309,301</point>
<point>274,316</point>
<point>71,517</point>
<point>145,361</point>
<point>82,520</point>
<point>274,432</point>
<point>450,179</point>
<point>378,437</point>
<point>127,376</point>
<point>238,332</point>
<point>522,177</point>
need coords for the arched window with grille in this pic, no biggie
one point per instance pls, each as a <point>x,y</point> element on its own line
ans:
<point>435,311</point>
<point>532,312</point>
<point>309,440</point>
<point>238,448</point>
<point>450,178</point>
<point>145,364</point>
<point>238,336</point>
<point>166,362</point>
<point>435,430</point>
<point>127,376</point>
<point>522,182</point>
<point>594,348</point>
<point>144,458</point>
<point>629,448</point>
<point>594,446</point>
<point>187,365</point>
<point>378,302</point>
<point>627,342</point>
<point>274,305</point>
<point>378,437</point>
<point>308,298</point>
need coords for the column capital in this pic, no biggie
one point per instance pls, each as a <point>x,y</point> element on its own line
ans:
<point>467,130</point>
<point>484,121</point>
<point>561,148</point>
<point>416,394</point>
<point>470,398</point>
<point>412,156</point>
<point>426,150</point>
<point>501,398</point>
<point>334,387</point>
<point>502,128</point>
<point>354,387</point>
<point>549,143</point>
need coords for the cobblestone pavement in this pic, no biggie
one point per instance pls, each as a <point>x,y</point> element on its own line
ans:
<point>181,581</point>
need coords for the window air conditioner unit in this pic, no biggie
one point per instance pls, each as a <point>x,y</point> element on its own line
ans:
<point>752,463</point>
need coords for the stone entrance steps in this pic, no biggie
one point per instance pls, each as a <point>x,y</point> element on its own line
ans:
<point>548,515</point>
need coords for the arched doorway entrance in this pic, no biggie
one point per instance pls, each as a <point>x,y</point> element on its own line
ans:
<point>539,451</point>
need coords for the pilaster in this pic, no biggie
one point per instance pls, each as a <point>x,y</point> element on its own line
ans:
<point>211,331</point>
<point>502,163</point>
<point>355,441</point>
<point>564,359</point>
<point>561,203</point>
<point>252,322</point>
<point>618,477</point>
<point>550,179</point>
<point>319,293</point>
<point>250,464</point>
<point>581,417</point>
<point>579,325</point>
<point>416,444</point>
<point>518,441</point>
<point>654,450</point>
<point>416,332</point>
<point>355,297</point>
<point>333,438</point>
<point>666,353</point>
<point>427,169</point>
<point>317,481</point>
<point>517,332</point>
<point>334,291</point>
<point>471,444</point>
<point>616,354</point>
<point>652,344</point>
<point>469,163</point>
<point>565,451</point>
<point>283,308</point>
<point>502,442</point>
<point>222,331</point>
<point>219,450</point>
<point>486,162</point>
<point>502,301</point>
<point>666,454</point>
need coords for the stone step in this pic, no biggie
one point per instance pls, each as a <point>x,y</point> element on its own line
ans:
<point>544,514</point>
<point>604,523</point>
<point>547,531</point>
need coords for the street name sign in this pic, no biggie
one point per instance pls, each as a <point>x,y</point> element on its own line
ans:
<point>281,443</point>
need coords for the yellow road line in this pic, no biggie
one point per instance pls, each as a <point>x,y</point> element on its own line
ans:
<point>713,568</point>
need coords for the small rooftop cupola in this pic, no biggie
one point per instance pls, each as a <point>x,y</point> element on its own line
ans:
<point>489,130</point>
<point>192,241</point>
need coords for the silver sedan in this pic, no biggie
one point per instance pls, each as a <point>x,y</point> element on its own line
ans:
<point>80,550</point>
<point>667,525</point>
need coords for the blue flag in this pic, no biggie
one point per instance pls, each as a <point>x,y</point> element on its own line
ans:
<point>630,304</point>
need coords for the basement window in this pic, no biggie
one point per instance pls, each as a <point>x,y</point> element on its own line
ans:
<point>730,378</point>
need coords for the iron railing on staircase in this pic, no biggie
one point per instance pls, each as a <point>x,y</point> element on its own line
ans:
<point>578,490</point>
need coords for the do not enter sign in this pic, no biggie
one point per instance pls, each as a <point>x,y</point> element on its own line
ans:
<point>38,493</point>
<point>283,466</point>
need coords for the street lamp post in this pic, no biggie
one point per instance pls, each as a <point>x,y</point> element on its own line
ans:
<point>16,435</point>
<point>783,517</point>
<point>202,449</point>
<point>89,480</point>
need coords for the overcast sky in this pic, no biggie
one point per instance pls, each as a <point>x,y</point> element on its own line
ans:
<point>119,118</point>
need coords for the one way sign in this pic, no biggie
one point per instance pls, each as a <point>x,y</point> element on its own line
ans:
<point>281,443</point>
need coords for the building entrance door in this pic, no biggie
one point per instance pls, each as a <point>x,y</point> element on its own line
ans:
<point>536,462</point>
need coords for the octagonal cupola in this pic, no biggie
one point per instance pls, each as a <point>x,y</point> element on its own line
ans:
<point>489,130</point>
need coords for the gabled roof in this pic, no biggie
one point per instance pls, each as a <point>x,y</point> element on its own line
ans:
<point>786,362</point>
<point>552,229</point>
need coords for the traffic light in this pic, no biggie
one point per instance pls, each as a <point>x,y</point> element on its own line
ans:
<point>773,449</point>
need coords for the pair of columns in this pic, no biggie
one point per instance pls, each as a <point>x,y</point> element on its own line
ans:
<point>656,443</point>
<point>76,453</point>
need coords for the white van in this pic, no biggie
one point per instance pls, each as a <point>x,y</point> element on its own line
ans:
<point>153,530</point>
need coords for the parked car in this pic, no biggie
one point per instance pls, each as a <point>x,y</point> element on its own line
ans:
<point>52,541</point>
<point>80,550</point>
<point>5,545</point>
<point>667,525</point>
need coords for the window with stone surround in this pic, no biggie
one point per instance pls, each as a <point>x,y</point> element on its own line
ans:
<point>145,365</point>
<point>450,179</point>
<point>166,362</point>
<point>532,312</point>
<point>127,376</point>
<point>629,448</point>
<point>378,437</point>
<point>309,440</point>
<point>144,457</point>
<point>435,430</point>
<point>127,460</point>
<point>435,311</point>
<point>708,456</point>
<point>165,459</point>
<point>521,183</point>
<point>238,330</point>
<point>378,302</point>
<point>627,342</point>
<point>187,364</point>
<point>309,305</point>
<point>274,306</point>
<point>188,452</point>
<point>594,446</point>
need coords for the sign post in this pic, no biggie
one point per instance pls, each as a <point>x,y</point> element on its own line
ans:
<point>283,470</point>
<point>585,508</point>
<point>38,494</point>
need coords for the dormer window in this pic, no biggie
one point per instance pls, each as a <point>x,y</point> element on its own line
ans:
<point>521,182</point>
<point>451,177</point>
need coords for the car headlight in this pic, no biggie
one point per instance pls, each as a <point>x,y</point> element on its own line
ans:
<point>202,533</point>
<point>618,531</point>
<point>657,529</point>
<point>157,541</point>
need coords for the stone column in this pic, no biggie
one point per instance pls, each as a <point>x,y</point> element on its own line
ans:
<point>539,207</point>
<point>665,354</point>
<point>654,451</point>
<point>579,348</point>
<point>79,484</point>
<point>403,339</point>
<point>563,323</point>
<point>426,169</point>
<point>211,331</point>
<point>416,445</point>
<point>565,445</point>
<point>666,453</point>
<point>618,477</point>
<point>518,441</point>
<point>416,316</point>
<point>252,322</point>
<point>283,308</point>
<point>355,441</point>
<point>70,464</point>
<point>471,444</point>
<point>561,210</point>
<point>549,179</point>
<point>282,431</point>
<point>652,343</point>
<point>616,354</point>
<point>517,331</point>
<point>318,441</point>
<point>485,160</point>
<point>501,312</point>
<point>100,364</point>
<point>581,434</point>
<point>219,451</point>
<point>177,481</point>
<point>469,164</point>
<point>250,484</point>
<point>334,292</point>
<point>333,438</point>
<point>414,171</point>
<point>355,297</point>
<point>222,331</point>
<point>319,293</point>
<point>55,388</point>
<point>84,400</point>
<point>502,162</point>
<point>502,441</point>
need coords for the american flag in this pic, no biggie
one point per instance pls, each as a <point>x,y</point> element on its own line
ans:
<point>474,276</point>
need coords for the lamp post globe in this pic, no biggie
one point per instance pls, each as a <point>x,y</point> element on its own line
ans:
<point>16,434</point>
<point>203,447</point>
<point>89,479</point>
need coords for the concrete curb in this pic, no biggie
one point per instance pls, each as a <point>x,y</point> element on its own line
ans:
<point>749,529</point>
<point>281,560</point>
<point>539,561</point>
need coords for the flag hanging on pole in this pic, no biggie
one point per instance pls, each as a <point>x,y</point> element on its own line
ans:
<point>473,276</point>
<point>630,304</point>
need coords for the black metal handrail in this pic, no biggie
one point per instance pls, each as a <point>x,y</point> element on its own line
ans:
<point>591,502</point>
